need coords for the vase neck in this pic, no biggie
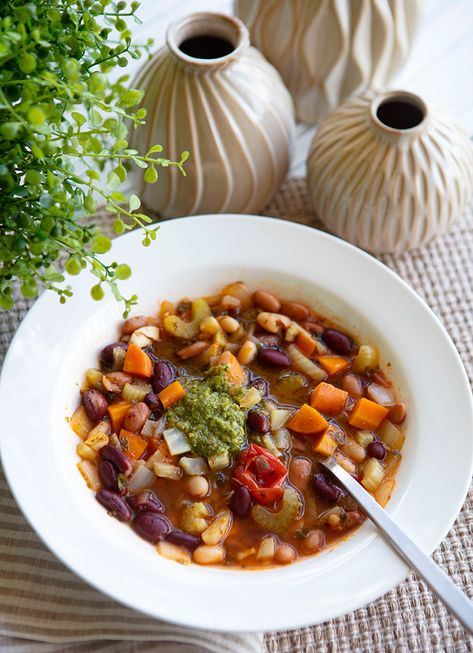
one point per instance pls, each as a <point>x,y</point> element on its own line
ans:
<point>399,115</point>
<point>207,41</point>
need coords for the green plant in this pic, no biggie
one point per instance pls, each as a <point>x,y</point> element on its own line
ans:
<point>59,106</point>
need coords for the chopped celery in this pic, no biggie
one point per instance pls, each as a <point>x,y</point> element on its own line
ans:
<point>176,441</point>
<point>278,521</point>
<point>367,358</point>
<point>135,391</point>
<point>188,330</point>
<point>373,474</point>
<point>390,435</point>
<point>364,438</point>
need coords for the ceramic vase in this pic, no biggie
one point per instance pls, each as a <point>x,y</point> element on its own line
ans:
<point>232,112</point>
<point>388,173</point>
<point>328,50</point>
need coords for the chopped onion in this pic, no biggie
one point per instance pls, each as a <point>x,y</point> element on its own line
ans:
<point>166,470</point>
<point>193,466</point>
<point>144,336</point>
<point>267,549</point>
<point>154,428</point>
<point>305,364</point>
<point>279,417</point>
<point>282,439</point>
<point>222,461</point>
<point>268,443</point>
<point>90,474</point>
<point>241,555</point>
<point>269,406</point>
<point>141,479</point>
<point>251,397</point>
<point>176,441</point>
<point>380,394</point>
<point>157,457</point>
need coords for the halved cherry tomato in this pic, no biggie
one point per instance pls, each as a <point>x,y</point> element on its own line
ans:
<point>262,473</point>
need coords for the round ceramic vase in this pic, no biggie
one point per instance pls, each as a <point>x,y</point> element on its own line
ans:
<point>388,173</point>
<point>329,50</point>
<point>232,112</point>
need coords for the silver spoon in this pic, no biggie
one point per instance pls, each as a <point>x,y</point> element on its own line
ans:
<point>439,582</point>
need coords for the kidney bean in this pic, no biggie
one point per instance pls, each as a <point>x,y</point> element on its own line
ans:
<point>134,323</point>
<point>241,501</point>
<point>108,475</point>
<point>145,501</point>
<point>337,341</point>
<point>266,301</point>
<point>136,417</point>
<point>295,311</point>
<point>261,385</point>
<point>95,405</point>
<point>151,527</point>
<point>188,541</point>
<point>106,355</point>
<point>163,375</point>
<point>376,450</point>
<point>257,421</point>
<point>326,490</point>
<point>114,504</point>
<point>313,327</point>
<point>273,357</point>
<point>117,458</point>
<point>397,413</point>
<point>154,402</point>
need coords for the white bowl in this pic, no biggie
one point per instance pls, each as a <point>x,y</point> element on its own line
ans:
<point>55,344</point>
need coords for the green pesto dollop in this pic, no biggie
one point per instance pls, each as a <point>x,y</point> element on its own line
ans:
<point>210,415</point>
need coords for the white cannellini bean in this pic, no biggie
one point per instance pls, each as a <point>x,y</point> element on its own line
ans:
<point>173,552</point>
<point>210,326</point>
<point>229,324</point>
<point>273,322</point>
<point>247,352</point>
<point>208,555</point>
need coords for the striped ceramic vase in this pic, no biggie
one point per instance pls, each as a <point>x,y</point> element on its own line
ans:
<point>388,173</point>
<point>327,50</point>
<point>209,92</point>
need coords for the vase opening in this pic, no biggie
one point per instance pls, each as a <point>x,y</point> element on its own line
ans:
<point>401,112</point>
<point>207,38</point>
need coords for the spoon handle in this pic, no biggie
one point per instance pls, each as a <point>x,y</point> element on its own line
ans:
<point>457,602</point>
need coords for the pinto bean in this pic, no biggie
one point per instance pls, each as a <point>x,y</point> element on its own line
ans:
<point>195,349</point>
<point>397,413</point>
<point>115,381</point>
<point>266,301</point>
<point>134,323</point>
<point>136,417</point>
<point>300,472</point>
<point>295,311</point>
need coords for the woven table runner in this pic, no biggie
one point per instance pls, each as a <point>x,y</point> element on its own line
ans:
<point>43,602</point>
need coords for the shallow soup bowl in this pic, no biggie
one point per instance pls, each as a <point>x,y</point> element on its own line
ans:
<point>195,256</point>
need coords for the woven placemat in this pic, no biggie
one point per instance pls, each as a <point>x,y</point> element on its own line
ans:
<point>406,619</point>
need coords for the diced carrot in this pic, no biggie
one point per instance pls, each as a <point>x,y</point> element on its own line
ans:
<point>235,373</point>
<point>307,420</point>
<point>133,445</point>
<point>171,393</point>
<point>333,364</point>
<point>367,414</point>
<point>117,413</point>
<point>328,399</point>
<point>305,343</point>
<point>327,444</point>
<point>137,361</point>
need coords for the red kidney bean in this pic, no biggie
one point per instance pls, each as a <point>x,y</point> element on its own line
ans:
<point>151,527</point>
<point>117,458</point>
<point>337,341</point>
<point>273,357</point>
<point>241,501</point>
<point>114,504</point>
<point>326,490</point>
<point>163,375</point>
<point>376,450</point>
<point>106,355</point>
<point>95,405</point>
<point>188,541</point>
<point>257,421</point>
<point>154,402</point>
<point>108,475</point>
<point>145,501</point>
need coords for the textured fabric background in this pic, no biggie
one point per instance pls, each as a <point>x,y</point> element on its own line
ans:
<point>43,602</point>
